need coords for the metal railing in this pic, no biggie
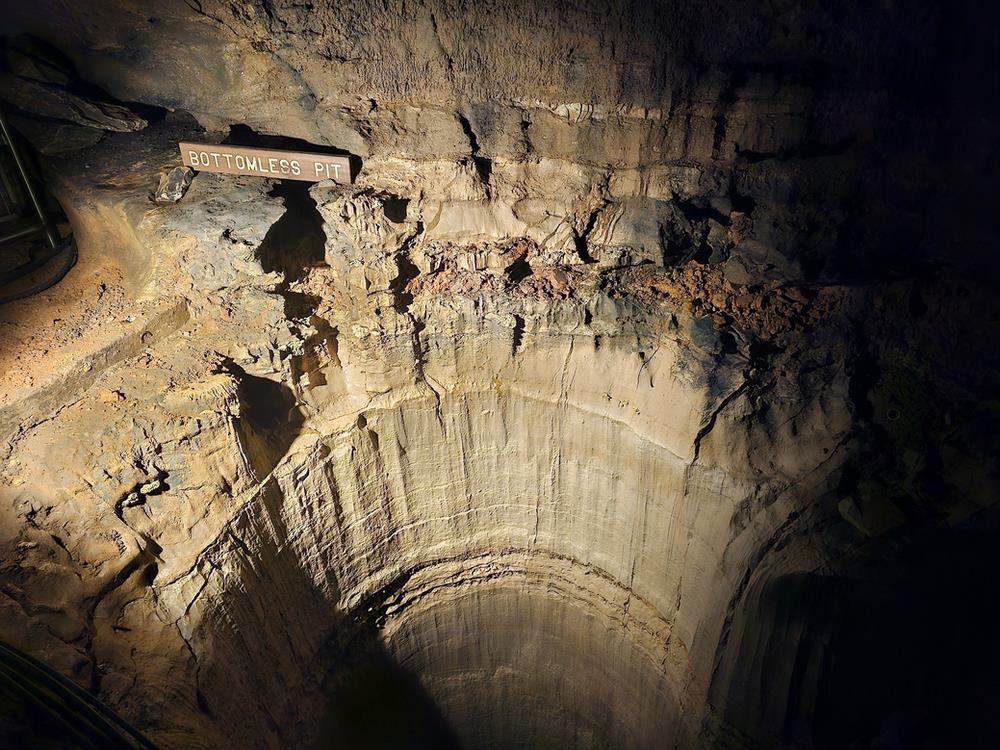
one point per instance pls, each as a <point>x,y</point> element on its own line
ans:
<point>15,182</point>
<point>41,706</point>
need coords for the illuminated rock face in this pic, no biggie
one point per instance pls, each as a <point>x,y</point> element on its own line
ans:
<point>510,470</point>
<point>558,429</point>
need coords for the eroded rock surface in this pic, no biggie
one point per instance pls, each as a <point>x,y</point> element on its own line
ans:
<point>574,407</point>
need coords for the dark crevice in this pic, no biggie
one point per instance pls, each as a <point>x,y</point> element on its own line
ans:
<point>484,166</point>
<point>150,573</point>
<point>49,58</point>
<point>863,373</point>
<point>744,204</point>
<point>518,334</point>
<point>151,113</point>
<point>709,424</point>
<point>270,418</point>
<point>469,132</point>
<point>681,245</point>
<point>298,304</point>
<point>268,404</point>
<point>519,271</point>
<point>581,240</point>
<point>408,271</point>
<point>686,236</point>
<point>728,343</point>
<point>203,704</point>
<point>719,132</point>
<point>372,611</point>
<point>694,212</point>
<point>395,209</point>
<point>296,241</point>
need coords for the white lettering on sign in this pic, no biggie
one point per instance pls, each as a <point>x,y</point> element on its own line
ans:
<point>323,171</point>
<point>262,162</point>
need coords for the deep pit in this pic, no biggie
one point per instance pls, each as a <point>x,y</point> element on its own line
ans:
<point>635,394</point>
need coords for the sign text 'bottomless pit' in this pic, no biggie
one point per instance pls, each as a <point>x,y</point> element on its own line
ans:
<point>265,162</point>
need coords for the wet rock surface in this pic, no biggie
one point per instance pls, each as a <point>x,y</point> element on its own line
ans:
<point>605,409</point>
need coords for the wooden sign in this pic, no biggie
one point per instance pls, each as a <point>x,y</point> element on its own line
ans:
<point>266,162</point>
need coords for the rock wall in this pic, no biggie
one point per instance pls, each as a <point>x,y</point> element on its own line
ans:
<point>835,128</point>
<point>570,421</point>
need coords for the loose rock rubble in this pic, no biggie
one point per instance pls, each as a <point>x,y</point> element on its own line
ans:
<point>173,185</point>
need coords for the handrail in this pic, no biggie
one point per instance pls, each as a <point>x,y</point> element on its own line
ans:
<point>57,708</point>
<point>36,200</point>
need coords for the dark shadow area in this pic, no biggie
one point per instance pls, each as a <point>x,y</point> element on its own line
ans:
<point>371,701</point>
<point>484,166</point>
<point>49,64</point>
<point>897,651</point>
<point>395,209</point>
<point>270,405</point>
<point>408,271</point>
<point>912,658</point>
<point>40,708</point>
<point>293,244</point>
<point>296,241</point>
<point>270,419</point>
<point>319,679</point>
<point>375,704</point>
<point>519,270</point>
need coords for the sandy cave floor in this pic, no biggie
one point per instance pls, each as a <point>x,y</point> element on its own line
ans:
<point>44,333</point>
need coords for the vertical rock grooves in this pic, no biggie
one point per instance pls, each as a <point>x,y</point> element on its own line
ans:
<point>540,502</point>
<point>432,466</point>
<point>623,400</point>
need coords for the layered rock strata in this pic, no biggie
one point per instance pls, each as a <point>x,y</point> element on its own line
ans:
<point>571,422</point>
